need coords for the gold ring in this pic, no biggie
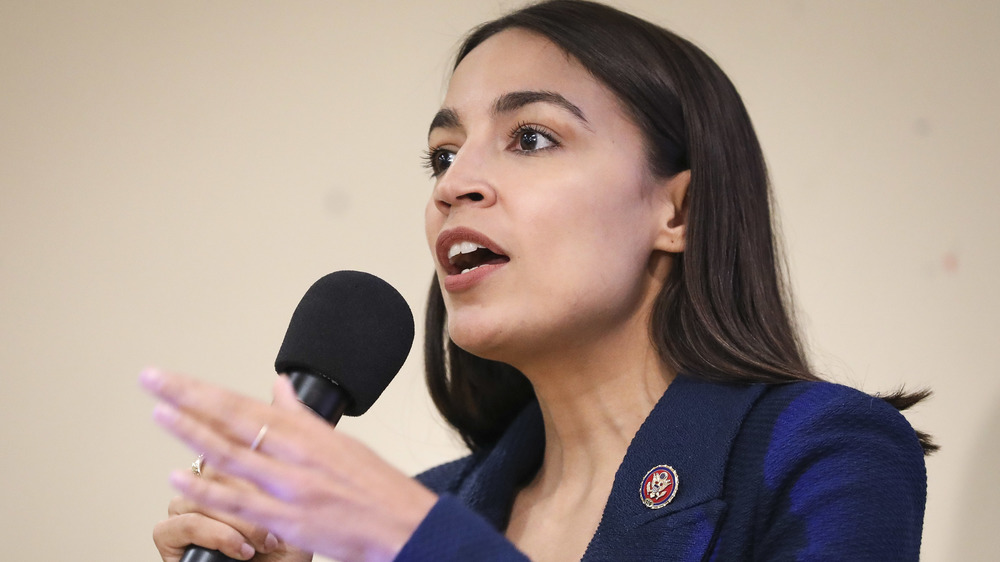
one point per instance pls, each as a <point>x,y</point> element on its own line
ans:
<point>196,465</point>
<point>260,437</point>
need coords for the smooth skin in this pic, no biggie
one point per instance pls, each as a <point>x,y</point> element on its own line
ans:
<point>561,183</point>
<point>190,523</point>
<point>315,489</point>
<point>590,234</point>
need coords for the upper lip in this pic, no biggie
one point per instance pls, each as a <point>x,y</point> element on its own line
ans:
<point>452,236</point>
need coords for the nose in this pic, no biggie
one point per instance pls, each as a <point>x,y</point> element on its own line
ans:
<point>464,183</point>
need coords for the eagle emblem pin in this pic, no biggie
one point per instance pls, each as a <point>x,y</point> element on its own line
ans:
<point>659,486</point>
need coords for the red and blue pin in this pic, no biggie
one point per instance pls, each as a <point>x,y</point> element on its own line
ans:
<point>659,486</point>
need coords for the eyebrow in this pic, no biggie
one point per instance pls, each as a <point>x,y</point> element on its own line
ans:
<point>510,102</point>
<point>445,118</point>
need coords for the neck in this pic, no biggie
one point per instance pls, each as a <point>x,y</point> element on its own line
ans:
<point>593,400</point>
<point>595,389</point>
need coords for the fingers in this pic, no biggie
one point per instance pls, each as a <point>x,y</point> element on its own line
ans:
<point>224,433</point>
<point>228,412</point>
<point>284,394</point>
<point>232,417</point>
<point>300,470</point>
<point>258,537</point>
<point>241,483</point>
<point>274,467</point>
<point>236,504</point>
<point>286,454</point>
<point>173,535</point>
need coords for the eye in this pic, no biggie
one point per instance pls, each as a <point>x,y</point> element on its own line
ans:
<point>531,138</point>
<point>438,160</point>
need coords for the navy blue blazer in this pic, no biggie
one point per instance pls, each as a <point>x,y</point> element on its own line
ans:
<point>800,471</point>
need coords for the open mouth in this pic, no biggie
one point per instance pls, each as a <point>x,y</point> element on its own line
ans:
<point>465,256</point>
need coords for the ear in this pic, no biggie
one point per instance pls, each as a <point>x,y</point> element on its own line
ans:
<point>671,236</point>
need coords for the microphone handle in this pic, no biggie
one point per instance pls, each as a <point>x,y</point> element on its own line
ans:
<point>322,396</point>
<point>195,553</point>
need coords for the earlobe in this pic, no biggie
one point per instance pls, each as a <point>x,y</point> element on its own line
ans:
<point>674,221</point>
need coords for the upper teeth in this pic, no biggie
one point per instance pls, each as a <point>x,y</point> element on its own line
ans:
<point>463,248</point>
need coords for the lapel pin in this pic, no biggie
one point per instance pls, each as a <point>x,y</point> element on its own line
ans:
<point>659,486</point>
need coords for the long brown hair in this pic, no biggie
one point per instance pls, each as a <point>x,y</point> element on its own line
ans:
<point>724,312</point>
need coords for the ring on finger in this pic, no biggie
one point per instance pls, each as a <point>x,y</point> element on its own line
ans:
<point>197,464</point>
<point>260,437</point>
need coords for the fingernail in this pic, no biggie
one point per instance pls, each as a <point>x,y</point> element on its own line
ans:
<point>178,479</point>
<point>270,542</point>
<point>247,551</point>
<point>150,377</point>
<point>164,413</point>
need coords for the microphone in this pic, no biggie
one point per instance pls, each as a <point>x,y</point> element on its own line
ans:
<point>347,339</point>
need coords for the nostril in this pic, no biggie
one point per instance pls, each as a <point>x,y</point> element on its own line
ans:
<point>475,197</point>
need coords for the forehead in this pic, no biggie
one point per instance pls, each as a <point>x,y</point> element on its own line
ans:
<point>520,60</point>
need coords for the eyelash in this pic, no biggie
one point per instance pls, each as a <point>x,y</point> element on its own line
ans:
<point>523,127</point>
<point>431,155</point>
<point>429,160</point>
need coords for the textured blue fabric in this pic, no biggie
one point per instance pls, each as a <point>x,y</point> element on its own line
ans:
<point>801,471</point>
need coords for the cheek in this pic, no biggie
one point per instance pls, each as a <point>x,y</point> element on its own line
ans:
<point>432,224</point>
<point>598,222</point>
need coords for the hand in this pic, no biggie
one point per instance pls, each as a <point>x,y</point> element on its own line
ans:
<point>315,488</point>
<point>188,523</point>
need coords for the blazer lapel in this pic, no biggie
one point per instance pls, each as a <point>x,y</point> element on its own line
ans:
<point>490,488</point>
<point>691,429</point>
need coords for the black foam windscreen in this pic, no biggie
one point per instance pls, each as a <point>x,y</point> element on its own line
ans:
<point>353,329</point>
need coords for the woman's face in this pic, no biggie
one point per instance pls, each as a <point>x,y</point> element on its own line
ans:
<point>547,229</point>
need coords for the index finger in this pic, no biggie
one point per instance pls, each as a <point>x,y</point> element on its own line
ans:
<point>236,416</point>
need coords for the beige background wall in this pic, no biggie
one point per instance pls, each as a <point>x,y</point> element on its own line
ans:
<point>173,175</point>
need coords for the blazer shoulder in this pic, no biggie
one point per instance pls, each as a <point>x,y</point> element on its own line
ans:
<point>831,409</point>
<point>824,468</point>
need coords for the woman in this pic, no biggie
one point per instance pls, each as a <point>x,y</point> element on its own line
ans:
<point>607,331</point>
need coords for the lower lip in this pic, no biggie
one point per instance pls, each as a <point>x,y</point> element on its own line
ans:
<point>463,281</point>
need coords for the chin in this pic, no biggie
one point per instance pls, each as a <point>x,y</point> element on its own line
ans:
<point>480,339</point>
